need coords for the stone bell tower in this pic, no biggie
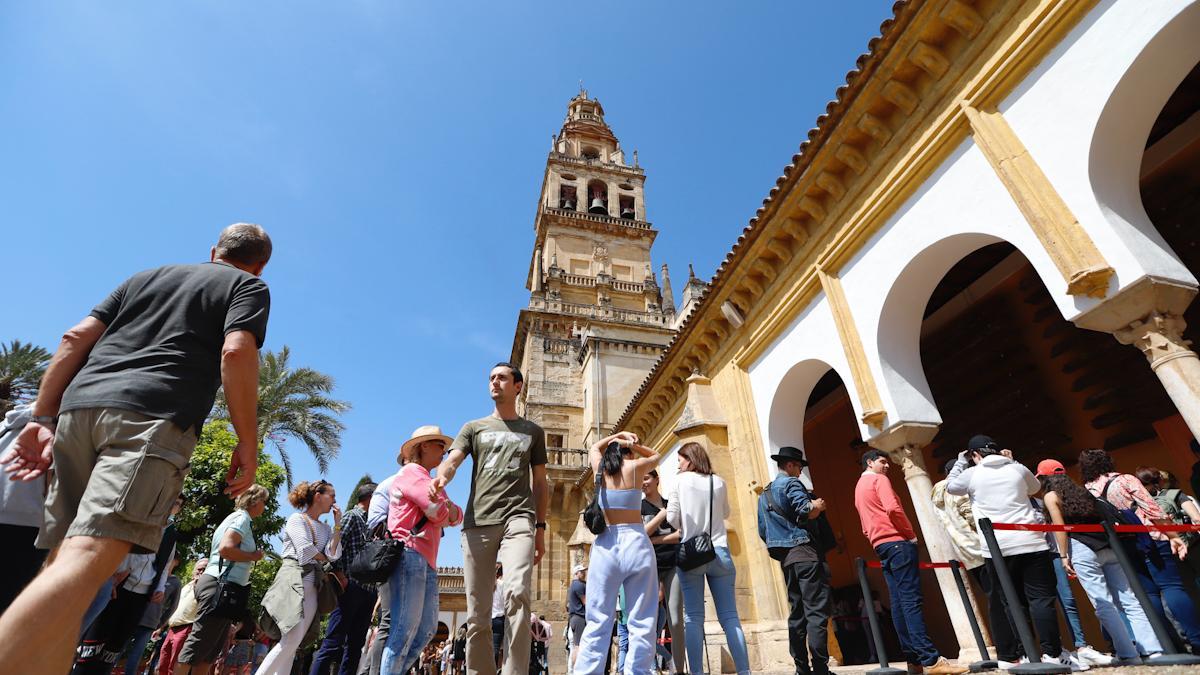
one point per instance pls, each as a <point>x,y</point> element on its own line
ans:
<point>597,318</point>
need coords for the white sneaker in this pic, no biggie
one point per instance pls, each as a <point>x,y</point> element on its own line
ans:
<point>1006,665</point>
<point>1067,659</point>
<point>1093,657</point>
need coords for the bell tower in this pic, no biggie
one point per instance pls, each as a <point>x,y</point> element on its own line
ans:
<point>597,318</point>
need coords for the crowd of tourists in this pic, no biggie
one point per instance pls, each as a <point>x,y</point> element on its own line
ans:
<point>96,466</point>
<point>98,460</point>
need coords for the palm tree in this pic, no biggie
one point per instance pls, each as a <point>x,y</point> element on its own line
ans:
<point>295,403</point>
<point>22,366</point>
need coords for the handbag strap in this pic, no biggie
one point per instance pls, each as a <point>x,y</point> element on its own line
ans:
<point>772,506</point>
<point>710,504</point>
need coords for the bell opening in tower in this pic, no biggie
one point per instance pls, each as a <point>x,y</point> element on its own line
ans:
<point>566,197</point>
<point>598,198</point>
<point>627,211</point>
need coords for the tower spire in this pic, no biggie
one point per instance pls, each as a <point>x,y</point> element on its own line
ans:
<point>668,301</point>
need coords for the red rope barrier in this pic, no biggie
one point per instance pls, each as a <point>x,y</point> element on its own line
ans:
<point>874,564</point>
<point>1033,527</point>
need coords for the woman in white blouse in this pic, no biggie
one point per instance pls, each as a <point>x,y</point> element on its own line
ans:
<point>306,540</point>
<point>699,503</point>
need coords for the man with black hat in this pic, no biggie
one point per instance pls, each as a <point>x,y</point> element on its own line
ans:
<point>787,518</point>
<point>1000,490</point>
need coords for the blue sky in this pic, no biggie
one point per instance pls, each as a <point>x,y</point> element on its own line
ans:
<point>394,151</point>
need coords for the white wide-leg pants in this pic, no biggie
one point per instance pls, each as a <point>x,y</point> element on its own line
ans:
<point>621,556</point>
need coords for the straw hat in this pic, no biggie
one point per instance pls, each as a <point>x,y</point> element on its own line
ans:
<point>429,432</point>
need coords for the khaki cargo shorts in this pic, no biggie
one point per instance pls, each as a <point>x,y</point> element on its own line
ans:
<point>116,475</point>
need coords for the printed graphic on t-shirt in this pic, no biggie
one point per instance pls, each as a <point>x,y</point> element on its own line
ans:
<point>504,449</point>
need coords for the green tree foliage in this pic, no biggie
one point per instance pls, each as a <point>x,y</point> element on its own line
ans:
<point>295,403</point>
<point>207,505</point>
<point>22,366</point>
<point>366,478</point>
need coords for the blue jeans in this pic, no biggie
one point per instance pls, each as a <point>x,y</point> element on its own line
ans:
<point>103,597</point>
<point>622,645</point>
<point>1159,574</point>
<point>1108,588</point>
<point>899,561</point>
<point>414,601</point>
<point>1067,599</point>
<point>721,576</point>
<point>346,632</point>
<point>135,649</point>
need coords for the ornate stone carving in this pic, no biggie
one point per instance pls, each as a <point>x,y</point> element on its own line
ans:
<point>1159,336</point>
<point>908,458</point>
<point>603,262</point>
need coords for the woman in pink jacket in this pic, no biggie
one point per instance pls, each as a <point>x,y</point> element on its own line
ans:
<point>416,520</point>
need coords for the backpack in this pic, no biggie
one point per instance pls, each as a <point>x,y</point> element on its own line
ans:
<point>1171,501</point>
<point>820,532</point>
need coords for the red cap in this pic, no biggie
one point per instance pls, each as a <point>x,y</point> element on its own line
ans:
<point>1049,467</point>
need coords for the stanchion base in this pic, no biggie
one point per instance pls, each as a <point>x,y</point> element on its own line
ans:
<point>981,666</point>
<point>1041,668</point>
<point>888,671</point>
<point>1174,660</point>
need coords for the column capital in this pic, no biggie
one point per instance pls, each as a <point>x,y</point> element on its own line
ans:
<point>1159,336</point>
<point>903,442</point>
<point>900,434</point>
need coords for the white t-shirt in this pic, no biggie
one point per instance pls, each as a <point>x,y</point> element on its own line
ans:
<point>498,599</point>
<point>688,506</point>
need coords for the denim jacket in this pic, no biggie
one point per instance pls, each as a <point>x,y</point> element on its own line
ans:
<point>793,499</point>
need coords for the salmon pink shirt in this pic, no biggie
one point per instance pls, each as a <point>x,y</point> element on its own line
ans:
<point>409,501</point>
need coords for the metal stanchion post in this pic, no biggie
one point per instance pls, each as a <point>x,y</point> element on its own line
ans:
<point>1169,656</point>
<point>986,662</point>
<point>876,633</point>
<point>1016,611</point>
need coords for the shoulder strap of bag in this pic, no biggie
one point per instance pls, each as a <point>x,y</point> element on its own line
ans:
<point>772,506</point>
<point>1104,492</point>
<point>710,503</point>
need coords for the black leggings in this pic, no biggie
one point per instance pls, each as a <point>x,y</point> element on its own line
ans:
<point>106,638</point>
<point>22,560</point>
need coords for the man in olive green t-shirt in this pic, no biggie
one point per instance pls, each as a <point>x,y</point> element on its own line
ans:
<point>505,519</point>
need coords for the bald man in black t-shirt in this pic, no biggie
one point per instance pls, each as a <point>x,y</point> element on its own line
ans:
<point>118,415</point>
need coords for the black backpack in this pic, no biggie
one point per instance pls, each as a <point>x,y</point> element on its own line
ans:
<point>820,532</point>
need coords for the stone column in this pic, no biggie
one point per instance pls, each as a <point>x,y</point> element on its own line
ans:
<point>903,442</point>
<point>1160,337</point>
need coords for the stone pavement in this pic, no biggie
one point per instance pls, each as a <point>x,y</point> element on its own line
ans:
<point>1125,670</point>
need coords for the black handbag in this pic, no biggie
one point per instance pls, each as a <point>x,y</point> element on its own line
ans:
<point>377,560</point>
<point>231,598</point>
<point>593,515</point>
<point>698,550</point>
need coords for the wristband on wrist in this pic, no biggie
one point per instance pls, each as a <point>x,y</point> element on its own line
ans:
<point>540,526</point>
<point>45,420</point>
